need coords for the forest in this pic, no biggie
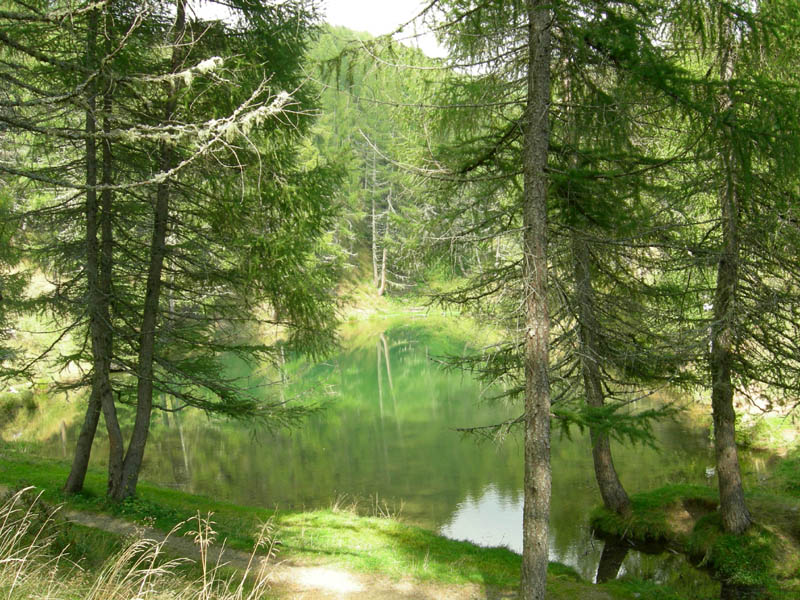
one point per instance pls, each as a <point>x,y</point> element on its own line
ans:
<point>288,310</point>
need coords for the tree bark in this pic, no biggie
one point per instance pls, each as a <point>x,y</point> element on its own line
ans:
<point>144,391</point>
<point>98,270</point>
<point>614,496</point>
<point>83,447</point>
<point>536,133</point>
<point>735,516</point>
<point>374,245</point>
<point>382,286</point>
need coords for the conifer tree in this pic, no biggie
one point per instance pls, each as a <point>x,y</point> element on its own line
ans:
<point>175,265</point>
<point>746,161</point>
<point>612,334</point>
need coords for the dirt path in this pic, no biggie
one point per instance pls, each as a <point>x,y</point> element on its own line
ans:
<point>303,582</point>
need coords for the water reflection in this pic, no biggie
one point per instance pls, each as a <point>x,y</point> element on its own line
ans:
<point>614,552</point>
<point>491,519</point>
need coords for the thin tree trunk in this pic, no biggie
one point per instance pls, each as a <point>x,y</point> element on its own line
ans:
<point>735,516</point>
<point>374,245</point>
<point>106,265</point>
<point>144,392</point>
<point>536,511</point>
<point>382,286</point>
<point>98,268</point>
<point>83,447</point>
<point>614,496</point>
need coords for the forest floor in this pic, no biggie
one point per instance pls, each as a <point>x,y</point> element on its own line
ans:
<point>294,580</point>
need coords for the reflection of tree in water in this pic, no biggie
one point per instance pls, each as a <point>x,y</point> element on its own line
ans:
<point>614,552</point>
<point>740,592</point>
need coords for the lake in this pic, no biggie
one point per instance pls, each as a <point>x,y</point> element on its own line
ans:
<point>387,439</point>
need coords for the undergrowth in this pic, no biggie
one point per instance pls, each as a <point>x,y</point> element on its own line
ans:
<point>35,562</point>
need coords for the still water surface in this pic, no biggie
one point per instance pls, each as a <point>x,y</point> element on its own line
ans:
<point>388,437</point>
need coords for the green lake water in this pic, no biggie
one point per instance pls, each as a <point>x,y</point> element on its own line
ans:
<point>387,438</point>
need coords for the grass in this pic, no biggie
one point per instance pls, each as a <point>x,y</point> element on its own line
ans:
<point>774,432</point>
<point>655,514</point>
<point>35,562</point>
<point>335,536</point>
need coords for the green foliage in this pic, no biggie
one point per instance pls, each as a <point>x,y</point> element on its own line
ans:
<point>212,130</point>
<point>788,475</point>
<point>12,403</point>
<point>615,420</point>
<point>370,122</point>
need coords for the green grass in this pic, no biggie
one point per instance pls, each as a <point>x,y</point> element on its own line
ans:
<point>747,559</point>
<point>334,536</point>
<point>776,433</point>
<point>786,476</point>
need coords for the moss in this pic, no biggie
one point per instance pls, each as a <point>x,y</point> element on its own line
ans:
<point>747,559</point>
<point>766,557</point>
<point>654,514</point>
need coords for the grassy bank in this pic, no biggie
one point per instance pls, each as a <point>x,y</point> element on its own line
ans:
<point>336,536</point>
<point>685,518</point>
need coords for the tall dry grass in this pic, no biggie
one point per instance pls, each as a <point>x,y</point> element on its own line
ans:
<point>31,567</point>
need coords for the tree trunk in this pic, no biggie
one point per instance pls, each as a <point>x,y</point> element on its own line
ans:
<point>144,392</point>
<point>735,516</point>
<point>98,278</point>
<point>106,263</point>
<point>536,511</point>
<point>83,448</point>
<point>374,245</point>
<point>382,286</point>
<point>614,496</point>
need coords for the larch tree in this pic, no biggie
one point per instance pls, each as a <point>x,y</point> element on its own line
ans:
<point>744,181</point>
<point>200,213</point>
<point>515,136</point>
<point>509,45</point>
